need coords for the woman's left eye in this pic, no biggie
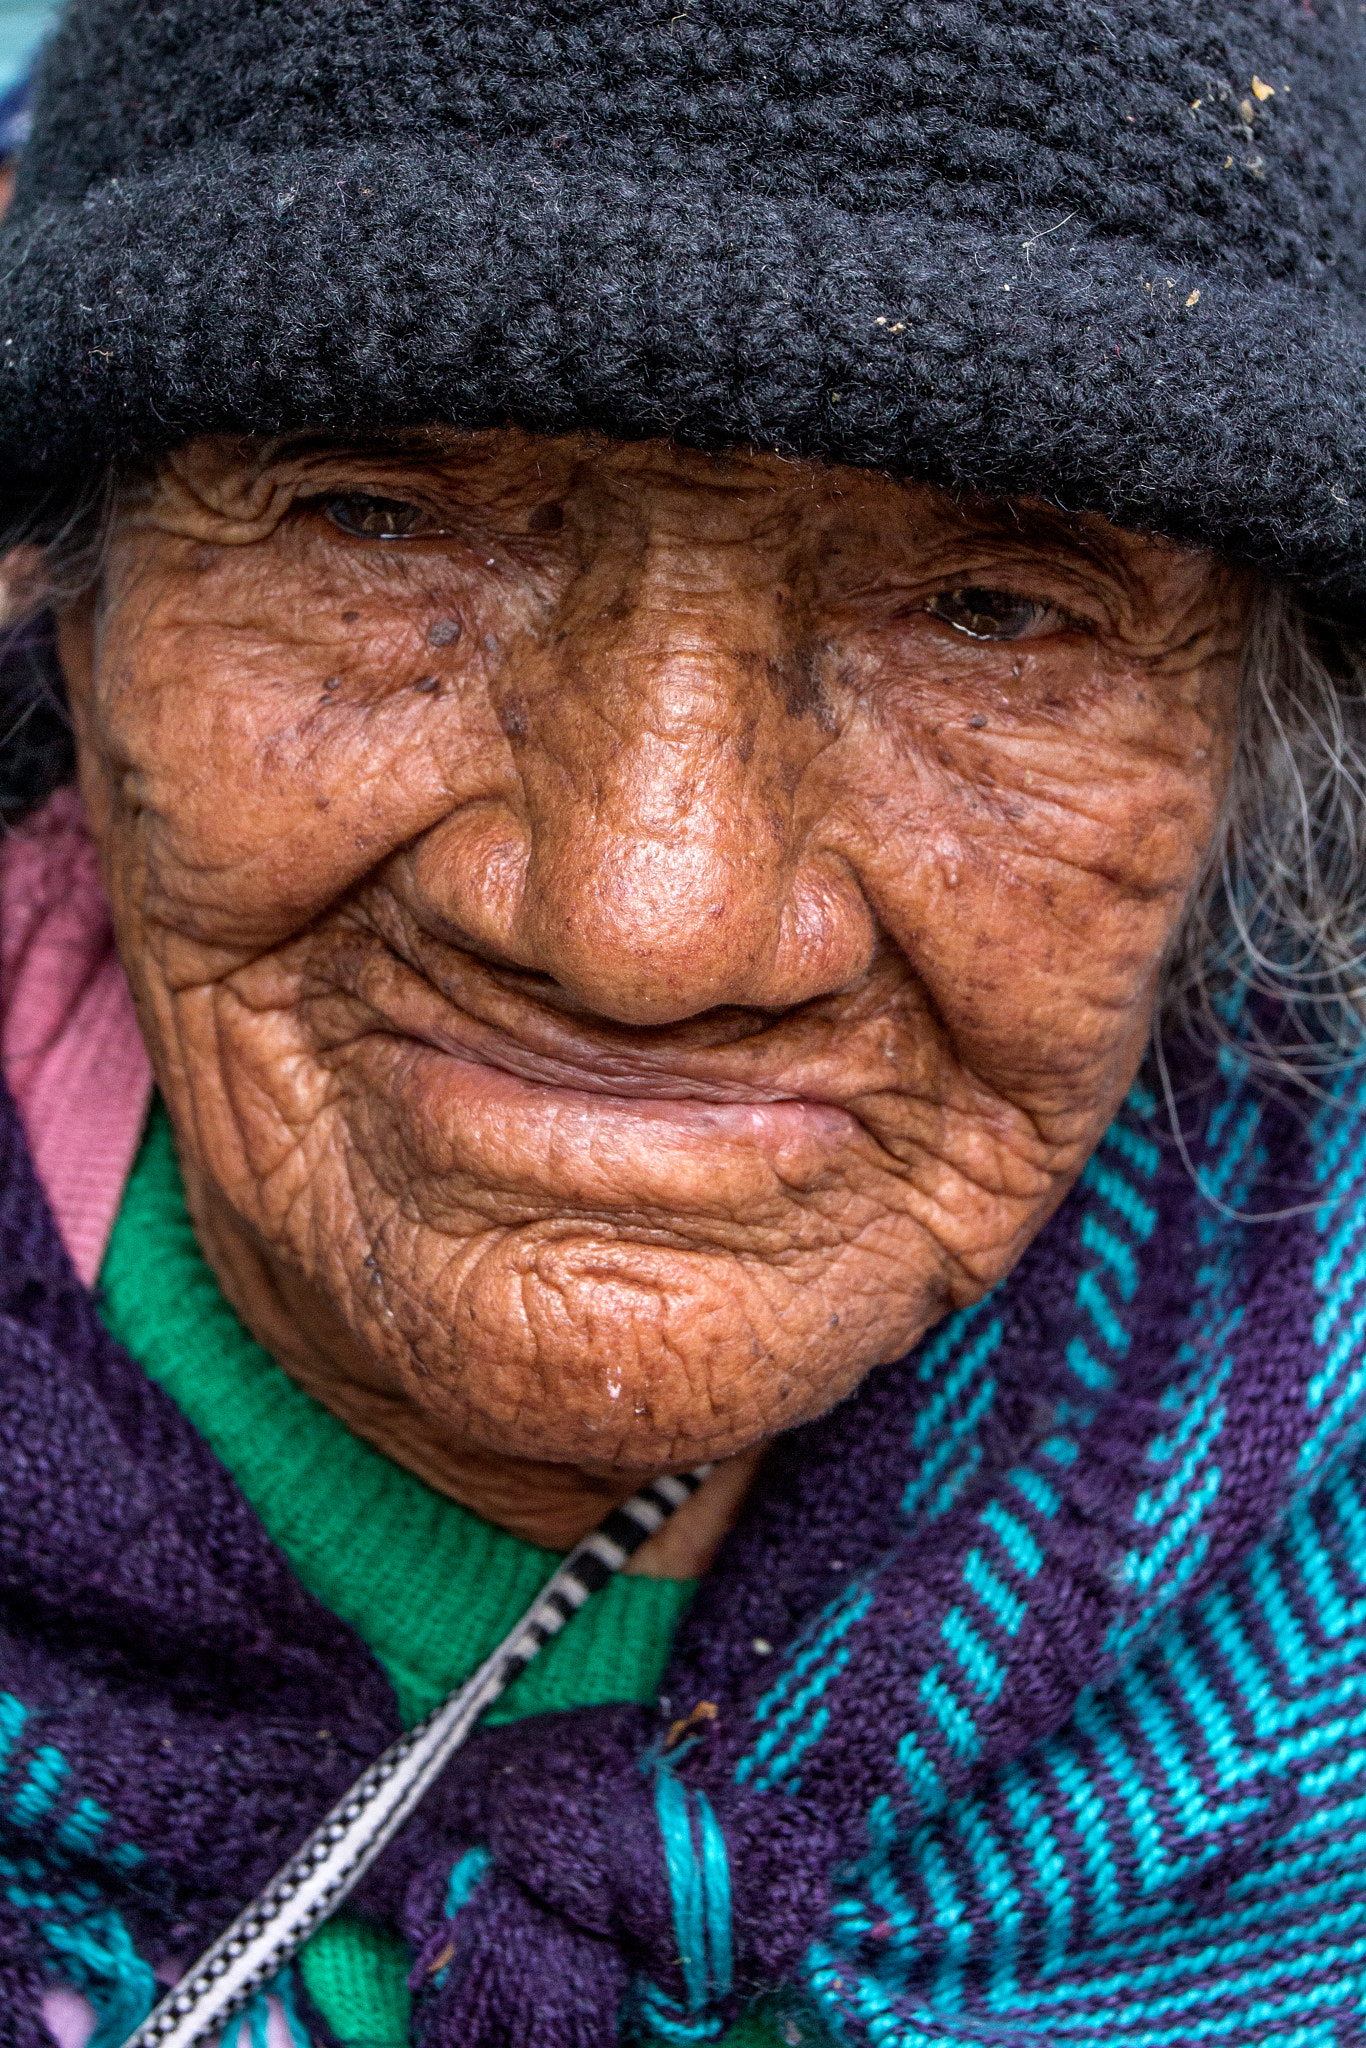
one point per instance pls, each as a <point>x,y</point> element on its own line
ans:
<point>990,614</point>
<point>370,518</point>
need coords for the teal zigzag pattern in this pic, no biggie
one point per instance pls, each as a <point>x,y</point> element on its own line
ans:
<point>1171,1513</point>
<point>1066,1902</point>
<point>1114,1229</point>
<point>1185,1862</point>
<point>793,1714</point>
<point>50,1836</point>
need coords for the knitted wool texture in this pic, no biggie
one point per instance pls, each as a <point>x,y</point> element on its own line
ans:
<point>1070,248</point>
<point>1058,1736</point>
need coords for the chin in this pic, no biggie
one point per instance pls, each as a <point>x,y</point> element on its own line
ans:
<point>619,1357</point>
<point>628,1406</point>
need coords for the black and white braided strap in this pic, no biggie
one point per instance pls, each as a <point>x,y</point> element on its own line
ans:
<point>319,1876</point>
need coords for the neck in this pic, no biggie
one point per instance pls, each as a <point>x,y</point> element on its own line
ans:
<point>546,1504</point>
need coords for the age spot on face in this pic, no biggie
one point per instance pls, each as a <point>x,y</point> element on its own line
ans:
<point>512,717</point>
<point>804,692</point>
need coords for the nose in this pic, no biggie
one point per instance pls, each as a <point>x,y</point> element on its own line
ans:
<point>674,811</point>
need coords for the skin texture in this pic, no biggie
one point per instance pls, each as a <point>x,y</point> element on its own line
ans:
<point>621,960</point>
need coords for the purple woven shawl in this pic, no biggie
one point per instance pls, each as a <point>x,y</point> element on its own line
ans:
<point>928,1592</point>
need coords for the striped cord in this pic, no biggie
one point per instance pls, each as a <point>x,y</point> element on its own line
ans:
<point>320,1875</point>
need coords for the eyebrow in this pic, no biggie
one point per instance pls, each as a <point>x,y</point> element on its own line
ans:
<point>397,444</point>
<point>1088,538</point>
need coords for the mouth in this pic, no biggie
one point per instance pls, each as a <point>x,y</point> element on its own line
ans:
<point>511,1093</point>
<point>591,1107</point>
<point>498,1090</point>
<point>646,1075</point>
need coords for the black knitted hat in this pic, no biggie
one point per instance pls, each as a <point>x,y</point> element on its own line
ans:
<point>1114,254</point>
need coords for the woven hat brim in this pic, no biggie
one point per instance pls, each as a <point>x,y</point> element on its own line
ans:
<point>353,289</point>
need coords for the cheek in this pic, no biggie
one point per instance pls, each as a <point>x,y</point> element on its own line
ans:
<point>1032,866</point>
<point>264,754</point>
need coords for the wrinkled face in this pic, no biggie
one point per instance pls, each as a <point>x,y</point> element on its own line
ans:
<point>638,937</point>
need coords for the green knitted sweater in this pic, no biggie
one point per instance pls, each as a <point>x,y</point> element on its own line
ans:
<point>426,1584</point>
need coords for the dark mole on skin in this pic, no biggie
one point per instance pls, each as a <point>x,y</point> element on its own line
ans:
<point>978,722</point>
<point>803,691</point>
<point>512,717</point>
<point>349,618</point>
<point>443,632</point>
<point>427,684</point>
<point>546,519</point>
<point>332,683</point>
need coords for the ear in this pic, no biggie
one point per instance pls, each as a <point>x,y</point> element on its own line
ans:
<point>74,638</point>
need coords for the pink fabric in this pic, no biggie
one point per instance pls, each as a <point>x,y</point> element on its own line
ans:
<point>69,2018</point>
<point>70,1046</point>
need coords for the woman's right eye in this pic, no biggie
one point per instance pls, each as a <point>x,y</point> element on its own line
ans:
<point>984,614</point>
<point>369,518</point>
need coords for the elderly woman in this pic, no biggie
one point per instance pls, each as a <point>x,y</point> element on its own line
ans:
<point>685,724</point>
